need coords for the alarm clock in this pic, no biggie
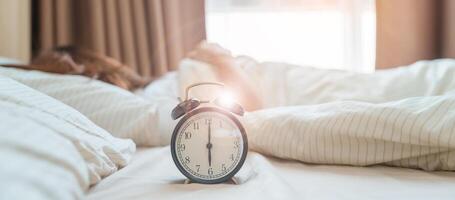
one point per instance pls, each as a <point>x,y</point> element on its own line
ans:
<point>209,144</point>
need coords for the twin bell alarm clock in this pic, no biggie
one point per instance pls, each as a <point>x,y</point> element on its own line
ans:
<point>209,144</point>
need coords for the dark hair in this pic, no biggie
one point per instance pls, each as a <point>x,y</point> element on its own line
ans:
<point>75,60</point>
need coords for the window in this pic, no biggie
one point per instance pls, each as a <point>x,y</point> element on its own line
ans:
<point>336,34</point>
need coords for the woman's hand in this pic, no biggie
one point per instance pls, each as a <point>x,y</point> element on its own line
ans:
<point>229,73</point>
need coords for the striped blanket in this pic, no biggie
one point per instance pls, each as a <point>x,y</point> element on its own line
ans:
<point>400,117</point>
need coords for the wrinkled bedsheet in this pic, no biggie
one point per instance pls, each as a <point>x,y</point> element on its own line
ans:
<point>153,175</point>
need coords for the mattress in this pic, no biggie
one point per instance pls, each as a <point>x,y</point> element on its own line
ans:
<point>153,175</point>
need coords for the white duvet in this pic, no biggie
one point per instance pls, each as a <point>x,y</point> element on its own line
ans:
<point>401,117</point>
<point>49,150</point>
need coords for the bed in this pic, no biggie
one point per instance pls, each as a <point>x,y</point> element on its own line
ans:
<point>270,172</point>
<point>152,173</point>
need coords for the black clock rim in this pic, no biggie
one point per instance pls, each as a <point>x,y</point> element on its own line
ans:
<point>242,159</point>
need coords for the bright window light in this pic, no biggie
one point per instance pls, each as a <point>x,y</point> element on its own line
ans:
<point>335,34</point>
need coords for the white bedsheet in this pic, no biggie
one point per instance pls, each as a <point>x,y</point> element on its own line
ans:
<point>152,175</point>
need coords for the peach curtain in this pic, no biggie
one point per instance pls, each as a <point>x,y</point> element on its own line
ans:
<point>150,36</point>
<point>411,30</point>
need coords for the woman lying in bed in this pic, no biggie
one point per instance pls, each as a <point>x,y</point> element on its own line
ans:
<point>401,117</point>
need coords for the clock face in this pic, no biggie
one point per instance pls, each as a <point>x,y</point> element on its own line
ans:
<point>209,145</point>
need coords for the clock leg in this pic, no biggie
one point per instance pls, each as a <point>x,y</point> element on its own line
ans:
<point>233,181</point>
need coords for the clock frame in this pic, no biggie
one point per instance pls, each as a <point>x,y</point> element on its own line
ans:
<point>229,115</point>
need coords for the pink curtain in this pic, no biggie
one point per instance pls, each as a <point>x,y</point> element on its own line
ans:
<point>411,30</point>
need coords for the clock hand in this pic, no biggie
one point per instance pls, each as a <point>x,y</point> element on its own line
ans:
<point>210,134</point>
<point>209,144</point>
<point>210,158</point>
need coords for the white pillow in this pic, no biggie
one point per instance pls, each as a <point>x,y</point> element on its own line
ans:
<point>164,92</point>
<point>118,111</point>
<point>53,122</point>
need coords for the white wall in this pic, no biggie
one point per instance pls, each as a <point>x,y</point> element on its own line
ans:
<point>15,29</point>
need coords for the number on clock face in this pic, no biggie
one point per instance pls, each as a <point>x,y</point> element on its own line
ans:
<point>209,145</point>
